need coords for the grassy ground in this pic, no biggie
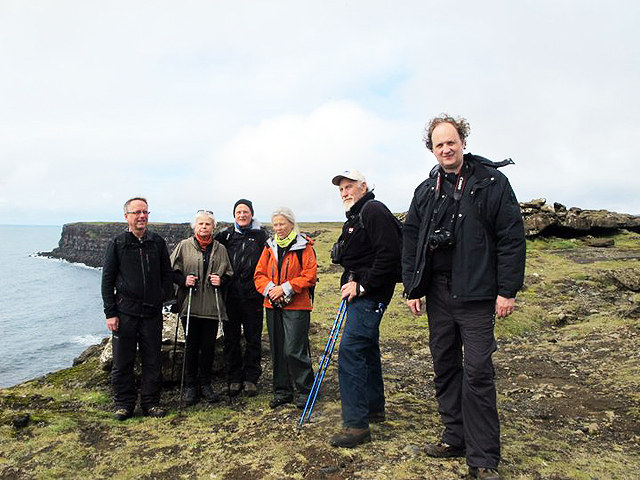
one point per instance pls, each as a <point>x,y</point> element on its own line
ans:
<point>567,373</point>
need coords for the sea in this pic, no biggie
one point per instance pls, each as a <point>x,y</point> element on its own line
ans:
<point>50,310</point>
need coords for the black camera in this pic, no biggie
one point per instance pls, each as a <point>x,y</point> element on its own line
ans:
<point>336,252</point>
<point>281,302</point>
<point>441,238</point>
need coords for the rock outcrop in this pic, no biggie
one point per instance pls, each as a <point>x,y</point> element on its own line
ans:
<point>557,220</point>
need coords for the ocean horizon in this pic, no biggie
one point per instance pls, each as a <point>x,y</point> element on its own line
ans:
<point>50,310</point>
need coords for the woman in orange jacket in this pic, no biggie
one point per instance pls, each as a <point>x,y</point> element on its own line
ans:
<point>285,273</point>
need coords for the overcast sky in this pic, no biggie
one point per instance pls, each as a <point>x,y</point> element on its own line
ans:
<point>195,104</point>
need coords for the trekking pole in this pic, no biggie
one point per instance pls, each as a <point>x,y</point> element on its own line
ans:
<point>186,337</point>
<point>215,290</point>
<point>324,362</point>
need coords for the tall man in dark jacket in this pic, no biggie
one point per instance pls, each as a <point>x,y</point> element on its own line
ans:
<point>464,249</point>
<point>136,277</point>
<point>369,250</point>
<point>244,241</point>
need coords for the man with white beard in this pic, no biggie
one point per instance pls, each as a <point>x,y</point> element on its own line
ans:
<point>369,249</point>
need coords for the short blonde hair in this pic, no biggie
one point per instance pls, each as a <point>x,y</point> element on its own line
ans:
<point>204,214</point>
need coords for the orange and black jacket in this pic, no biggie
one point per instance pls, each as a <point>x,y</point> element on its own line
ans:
<point>296,272</point>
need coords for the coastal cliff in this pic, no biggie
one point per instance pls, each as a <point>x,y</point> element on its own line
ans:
<point>86,242</point>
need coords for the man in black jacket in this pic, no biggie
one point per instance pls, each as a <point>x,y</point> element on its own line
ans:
<point>369,251</point>
<point>136,277</point>
<point>464,250</point>
<point>244,241</point>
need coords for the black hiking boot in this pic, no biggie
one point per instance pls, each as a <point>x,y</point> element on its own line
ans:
<point>155,411</point>
<point>250,389</point>
<point>122,414</point>
<point>191,396</point>
<point>276,402</point>
<point>208,394</point>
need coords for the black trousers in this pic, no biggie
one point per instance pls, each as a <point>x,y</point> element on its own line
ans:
<point>144,333</point>
<point>243,315</point>
<point>200,350</point>
<point>461,340</point>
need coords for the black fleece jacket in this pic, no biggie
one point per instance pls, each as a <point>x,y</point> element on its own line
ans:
<point>136,275</point>
<point>371,248</point>
<point>489,251</point>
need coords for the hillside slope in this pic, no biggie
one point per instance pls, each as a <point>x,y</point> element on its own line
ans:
<point>567,371</point>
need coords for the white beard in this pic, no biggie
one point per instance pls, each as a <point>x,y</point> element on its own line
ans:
<point>348,203</point>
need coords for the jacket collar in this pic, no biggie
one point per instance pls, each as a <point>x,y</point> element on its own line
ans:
<point>255,225</point>
<point>355,210</point>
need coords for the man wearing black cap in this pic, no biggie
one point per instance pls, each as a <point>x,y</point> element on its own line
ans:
<point>244,242</point>
<point>369,251</point>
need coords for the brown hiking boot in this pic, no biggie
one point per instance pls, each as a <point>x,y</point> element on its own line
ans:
<point>484,473</point>
<point>444,450</point>
<point>350,437</point>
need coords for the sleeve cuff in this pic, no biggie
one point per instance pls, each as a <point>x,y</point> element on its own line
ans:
<point>269,286</point>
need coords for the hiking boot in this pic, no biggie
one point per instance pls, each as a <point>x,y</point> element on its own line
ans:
<point>250,389</point>
<point>122,414</point>
<point>191,396</point>
<point>484,473</point>
<point>208,394</point>
<point>350,437</point>
<point>377,417</point>
<point>276,402</point>
<point>155,411</point>
<point>444,450</point>
<point>234,389</point>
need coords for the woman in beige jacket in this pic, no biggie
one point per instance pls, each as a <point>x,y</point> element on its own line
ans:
<point>201,264</point>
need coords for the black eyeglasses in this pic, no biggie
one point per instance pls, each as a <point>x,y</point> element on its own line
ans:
<point>139,212</point>
<point>205,211</point>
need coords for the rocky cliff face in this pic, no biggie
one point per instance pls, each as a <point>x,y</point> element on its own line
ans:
<point>86,242</point>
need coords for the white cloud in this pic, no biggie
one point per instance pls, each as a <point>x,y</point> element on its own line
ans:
<point>195,103</point>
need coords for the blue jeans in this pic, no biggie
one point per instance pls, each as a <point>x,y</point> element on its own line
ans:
<point>359,367</point>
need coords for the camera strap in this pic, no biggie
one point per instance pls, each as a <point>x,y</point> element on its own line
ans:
<point>458,190</point>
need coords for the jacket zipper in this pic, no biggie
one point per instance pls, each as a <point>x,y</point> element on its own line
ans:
<point>144,277</point>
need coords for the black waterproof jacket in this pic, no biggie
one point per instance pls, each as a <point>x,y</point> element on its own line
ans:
<point>136,275</point>
<point>371,248</point>
<point>489,251</point>
<point>244,252</point>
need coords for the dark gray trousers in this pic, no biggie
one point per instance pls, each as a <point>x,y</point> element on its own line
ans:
<point>461,341</point>
<point>289,341</point>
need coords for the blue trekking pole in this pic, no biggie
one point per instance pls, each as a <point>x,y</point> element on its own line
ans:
<point>324,362</point>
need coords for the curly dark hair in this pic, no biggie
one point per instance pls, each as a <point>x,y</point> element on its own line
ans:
<point>460,124</point>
